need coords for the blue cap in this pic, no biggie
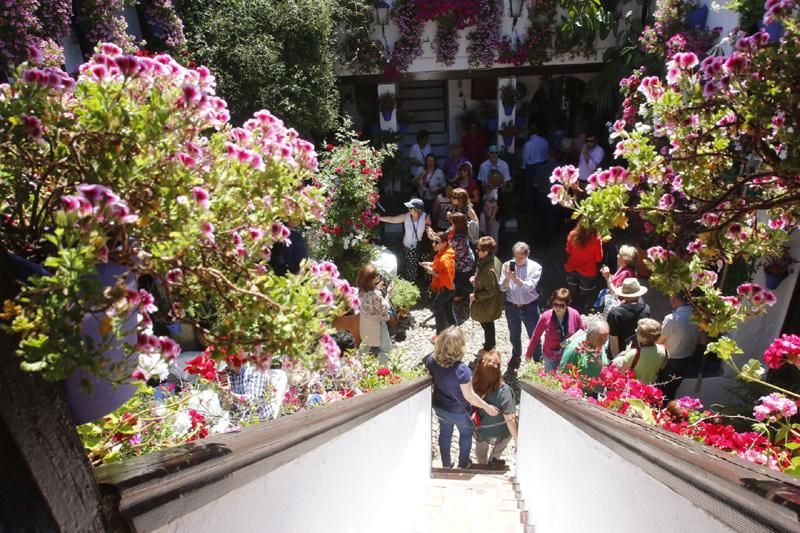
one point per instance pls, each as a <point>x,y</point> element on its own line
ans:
<point>493,149</point>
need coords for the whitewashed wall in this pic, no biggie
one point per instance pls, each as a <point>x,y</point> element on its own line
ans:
<point>572,483</point>
<point>367,479</point>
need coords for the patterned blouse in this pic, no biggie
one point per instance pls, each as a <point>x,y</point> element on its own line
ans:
<point>374,305</point>
<point>465,258</point>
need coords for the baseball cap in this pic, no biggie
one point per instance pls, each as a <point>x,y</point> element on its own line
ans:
<point>493,149</point>
<point>414,203</point>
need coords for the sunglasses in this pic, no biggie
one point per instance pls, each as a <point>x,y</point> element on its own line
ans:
<point>559,306</point>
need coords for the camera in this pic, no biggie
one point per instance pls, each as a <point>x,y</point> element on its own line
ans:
<point>512,265</point>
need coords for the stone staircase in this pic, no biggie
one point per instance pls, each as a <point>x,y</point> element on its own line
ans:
<point>471,501</point>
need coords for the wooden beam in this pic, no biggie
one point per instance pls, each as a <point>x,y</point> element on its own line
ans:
<point>46,481</point>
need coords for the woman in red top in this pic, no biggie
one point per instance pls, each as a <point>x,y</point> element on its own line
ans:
<point>443,272</point>
<point>584,253</point>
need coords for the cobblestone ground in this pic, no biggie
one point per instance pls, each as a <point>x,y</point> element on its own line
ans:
<point>420,327</point>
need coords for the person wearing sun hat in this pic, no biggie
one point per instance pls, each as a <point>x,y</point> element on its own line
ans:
<point>493,163</point>
<point>414,224</point>
<point>622,320</point>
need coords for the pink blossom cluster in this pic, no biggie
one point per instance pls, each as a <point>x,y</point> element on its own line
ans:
<point>164,23</point>
<point>150,344</point>
<point>689,403</point>
<point>659,254</point>
<point>720,72</point>
<point>331,351</point>
<point>409,46</point>
<point>778,9</point>
<point>485,39</point>
<point>264,138</point>
<point>445,43</point>
<point>193,88</point>
<point>774,406</point>
<point>651,88</point>
<point>755,296</point>
<point>99,202</point>
<point>606,178</point>
<point>339,285</point>
<point>463,12</point>
<point>785,350</point>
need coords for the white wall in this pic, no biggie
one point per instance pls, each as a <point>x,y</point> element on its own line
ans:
<point>572,483</point>
<point>367,479</point>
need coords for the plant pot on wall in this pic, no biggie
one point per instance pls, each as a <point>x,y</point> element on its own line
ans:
<point>105,396</point>
<point>508,109</point>
<point>771,281</point>
<point>696,18</point>
<point>387,115</point>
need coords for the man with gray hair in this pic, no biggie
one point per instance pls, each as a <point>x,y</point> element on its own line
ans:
<point>518,280</point>
<point>586,350</point>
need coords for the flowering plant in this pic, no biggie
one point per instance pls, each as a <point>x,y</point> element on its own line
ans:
<point>690,174</point>
<point>102,21</point>
<point>136,164</point>
<point>779,264</point>
<point>508,94</point>
<point>774,441</point>
<point>164,25</point>
<point>33,27</point>
<point>387,101</point>
<point>445,42</point>
<point>485,39</point>
<point>408,46</point>
<point>350,172</point>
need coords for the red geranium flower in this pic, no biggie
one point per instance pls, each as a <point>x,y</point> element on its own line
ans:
<point>383,371</point>
<point>203,366</point>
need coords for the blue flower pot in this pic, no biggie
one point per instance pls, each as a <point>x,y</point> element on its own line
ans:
<point>774,30</point>
<point>696,19</point>
<point>772,282</point>
<point>387,115</point>
<point>507,140</point>
<point>491,124</point>
<point>508,109</point>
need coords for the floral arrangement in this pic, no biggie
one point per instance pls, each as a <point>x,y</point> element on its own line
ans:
<point>101,21</point>
<point>779,264</point>
<point>698,41</point>
<point>485,39</point>
<point>178,195</point>
<point>687,177</point>
<point>408,46</point>
<point>785,350</point>
<point>164,25</point>
<point>31,27</point>
<point>773,442</point>
<point>359,52</point>
<point>387,101</point>
<point>445,42</point>
<point>508,94</point>
<point>669,35</point>
<point>350,172</point>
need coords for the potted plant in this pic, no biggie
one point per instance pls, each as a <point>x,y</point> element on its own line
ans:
<point>133,173</point>
<point>508,96</point>
<point>696,18</point>
<point>777,268</point>
<point>405,295</point>
<point>386,103</point>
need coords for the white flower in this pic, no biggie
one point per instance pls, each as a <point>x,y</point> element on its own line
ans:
<point>182,423</point>
<point>154,365</point>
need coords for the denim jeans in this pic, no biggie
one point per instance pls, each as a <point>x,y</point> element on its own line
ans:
<point>443,310</point>
<point>550,364</point>
<point>447,421</point>
<point>516,317</point>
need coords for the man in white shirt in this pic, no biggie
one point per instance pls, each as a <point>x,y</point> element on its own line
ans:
<point>522,307</point>
<point>419,152</point>
<point>590,159</point>
<point>680,336</point>
<point>493,163</point>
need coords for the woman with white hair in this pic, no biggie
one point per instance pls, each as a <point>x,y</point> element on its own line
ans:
<point>453,395</point>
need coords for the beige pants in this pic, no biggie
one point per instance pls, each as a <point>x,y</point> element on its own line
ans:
<point>482,449</point>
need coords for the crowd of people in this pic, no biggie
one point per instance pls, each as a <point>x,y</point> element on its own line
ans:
<point>598,315</point>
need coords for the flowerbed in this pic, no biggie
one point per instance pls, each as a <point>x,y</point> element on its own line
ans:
<point>179,411</point>
<point>773,442</point>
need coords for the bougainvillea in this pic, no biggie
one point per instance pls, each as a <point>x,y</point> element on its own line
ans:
<point>177,194</point>
<point>164,26</point>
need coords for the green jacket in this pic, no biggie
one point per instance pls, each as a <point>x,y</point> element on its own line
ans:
<point>489,299</point>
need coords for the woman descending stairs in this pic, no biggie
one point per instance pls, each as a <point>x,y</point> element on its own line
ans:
<point>471,501</point>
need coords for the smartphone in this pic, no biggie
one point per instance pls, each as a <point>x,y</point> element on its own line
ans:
<point>511,266</point>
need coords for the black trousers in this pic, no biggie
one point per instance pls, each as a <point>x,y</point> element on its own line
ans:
<point>488,335</point>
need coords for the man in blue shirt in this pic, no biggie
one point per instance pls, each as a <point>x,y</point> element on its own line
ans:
<point>534,156</point>
<point>522,308</point>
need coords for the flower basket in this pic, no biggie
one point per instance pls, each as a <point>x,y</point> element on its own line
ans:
<point>696,19</point>
<point>772,281</point>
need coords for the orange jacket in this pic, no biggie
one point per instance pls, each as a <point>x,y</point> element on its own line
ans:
<point>444,270</point>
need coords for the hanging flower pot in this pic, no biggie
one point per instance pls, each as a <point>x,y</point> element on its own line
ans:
<point>507,140</point>
<point>508,109</point>
<point>772,281</point>
<point>387,115</point>
<point>696,19</point>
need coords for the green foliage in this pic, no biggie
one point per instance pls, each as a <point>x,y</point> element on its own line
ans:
<point>750,13</point>
<point>405,294</point>
<point>269,54</point>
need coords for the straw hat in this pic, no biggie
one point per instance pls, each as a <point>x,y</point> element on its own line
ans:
<point>630,288</point>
